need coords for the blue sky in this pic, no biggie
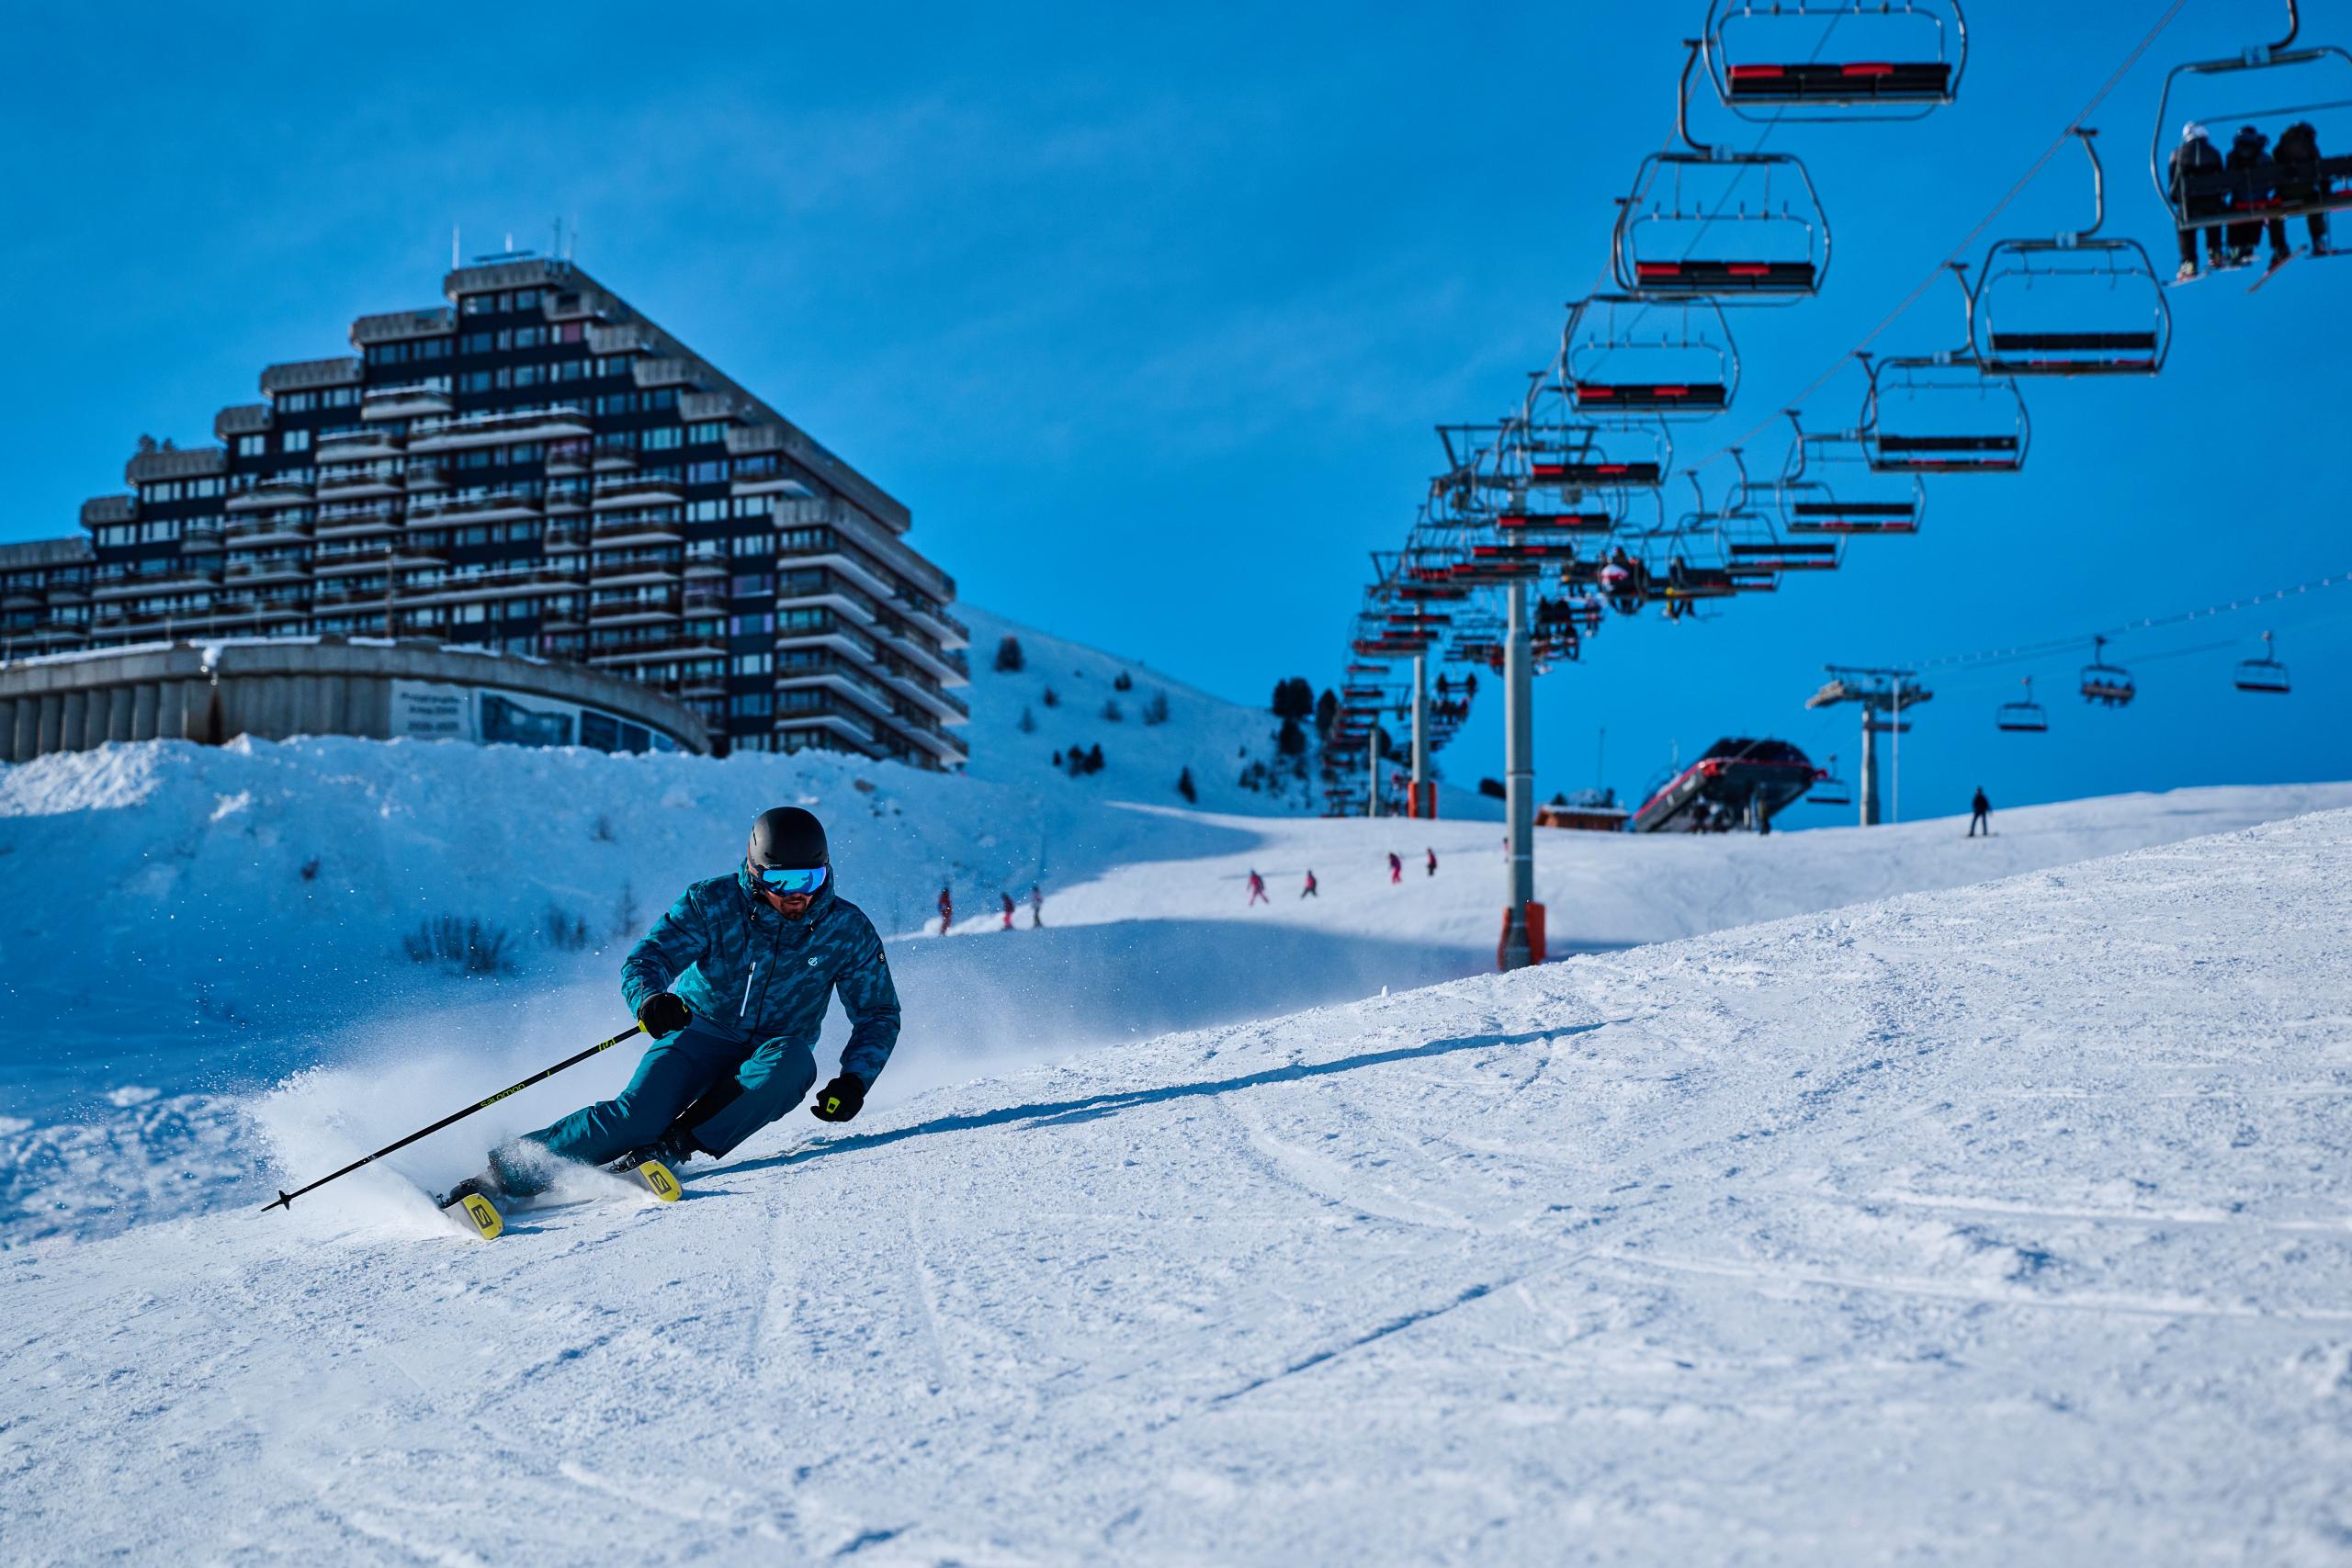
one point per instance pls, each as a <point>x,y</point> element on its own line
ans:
<point>1148,314</point>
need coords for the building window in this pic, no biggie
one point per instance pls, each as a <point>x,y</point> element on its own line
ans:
<point>752,704</point>
<point>749,664</point>
<point>750,626</point>
<point>294,441</point>
<point>251,445</point>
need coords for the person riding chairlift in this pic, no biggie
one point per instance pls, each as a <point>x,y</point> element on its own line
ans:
<point>2193,157</point>
<point>2253,182</point>
<point>2296,158</point>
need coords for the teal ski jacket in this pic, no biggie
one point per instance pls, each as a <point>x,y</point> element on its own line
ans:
<point>733,959</point>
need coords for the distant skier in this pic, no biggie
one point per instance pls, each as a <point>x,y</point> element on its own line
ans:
<point>1007,898</point>
<point>1395,868</point>
<point>1432,865</point>
<point>757,956</point>
<point>1037,906</point>
<point>1983,814</point>
<point>1308,891</point>
<point>946,909</point>
<point>1257,889</point>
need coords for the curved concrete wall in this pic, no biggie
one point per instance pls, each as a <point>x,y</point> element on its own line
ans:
<point>274,689</point>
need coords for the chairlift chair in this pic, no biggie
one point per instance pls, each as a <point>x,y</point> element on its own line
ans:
<point>2283,84</point>
<point>2263,674</point>
<point>1737,228</point>
<point>1828,789</point>
<point>1670,359</point>
<point>2022,717</point>
<point>1556,452</point>
<point>1836,60</point>
<point>2107,684</point>
<point>2073,305</point>
<point>1827,487</point>
<point>1943,414</point>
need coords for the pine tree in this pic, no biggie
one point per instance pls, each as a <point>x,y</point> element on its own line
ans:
<point>1112,712</point>
<point>1124,683</point>
<point>1052,698</point>
<point>1028,724</point>
<point>1292,741</point>
<point>1094,758</point>
<point>1184,787</point>
<point>1009,660</point>
<point>1156,710</point>
<point>1327,711</point>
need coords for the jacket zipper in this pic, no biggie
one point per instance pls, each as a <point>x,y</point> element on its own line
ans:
<point>747,989</point>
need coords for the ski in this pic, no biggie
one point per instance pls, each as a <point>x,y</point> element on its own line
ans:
<point>2274,269</point>
<point>655,1177</point>
<point>477,1215</point>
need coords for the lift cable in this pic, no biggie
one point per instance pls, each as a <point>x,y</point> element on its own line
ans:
<point>1992,656</point>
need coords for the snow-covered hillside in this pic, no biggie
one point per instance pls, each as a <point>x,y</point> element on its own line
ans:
<point>191,925</point>
<point>1065,697</point>
<point>2006,1224</point>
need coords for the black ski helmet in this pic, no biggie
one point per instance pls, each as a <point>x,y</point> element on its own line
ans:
<point>787,837</point>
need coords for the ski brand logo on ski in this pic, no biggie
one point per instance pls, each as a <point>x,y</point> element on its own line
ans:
<point>478,1211</point>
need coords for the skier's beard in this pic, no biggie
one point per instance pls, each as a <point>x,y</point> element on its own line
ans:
<point>791,906</point>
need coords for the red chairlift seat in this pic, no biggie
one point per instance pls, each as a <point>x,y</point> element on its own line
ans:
<point>1853,517</point>
<point>1873,80</point>
<point>1587,474</point>
<point>1700,277</point>
<point>1556,521</point>
<point>1949,454</point>
<point>1671,396</point>
<point>1836,60</point>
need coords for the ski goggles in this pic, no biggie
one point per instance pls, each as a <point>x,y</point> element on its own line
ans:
<point>787,879</point>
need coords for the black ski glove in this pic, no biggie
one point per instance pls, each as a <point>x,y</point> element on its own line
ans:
<point>663,1014</point>
<point>840,1100</point>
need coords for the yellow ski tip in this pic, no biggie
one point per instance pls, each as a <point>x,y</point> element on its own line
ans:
<point>478,1211</point>
<point>659,1180</point>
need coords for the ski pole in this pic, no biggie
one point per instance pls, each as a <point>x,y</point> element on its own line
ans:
<point>286,1198</point>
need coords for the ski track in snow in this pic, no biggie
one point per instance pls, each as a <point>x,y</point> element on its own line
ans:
<point>2006,1224</point>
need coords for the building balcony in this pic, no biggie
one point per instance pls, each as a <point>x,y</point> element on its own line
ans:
<point>279,490</point>
<point>835,717</point>
<point>259,530</point>
<point>428,475</point>
<point>566,501</point>
<point>104,509</point>
<point>23,599</point>
<point>563,538</point>
<point>357,483</point>
<point>69,591</point>
<point>410,400</point>
<point>352,520</point>
<point>457,587</point>
<point>124,585</point>
<point>326,562</point>
<point>250,573</point>
<point>256,611</point>
<point>200,538</point>
<point>572,457</point>
<point>631,573</point>
<point>392,326</point>
<point>475,505</point>
<point>356,443</point>
<point>633,609</point>
<point>928,695</point>
<point>333,595</point>
<point>613,454</point>
<point>636,528</point>
<point>553,421</point>
<point>635,491</point>
<point>619,652</point>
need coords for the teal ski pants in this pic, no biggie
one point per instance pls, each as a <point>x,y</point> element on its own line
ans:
<point>719,1083</point>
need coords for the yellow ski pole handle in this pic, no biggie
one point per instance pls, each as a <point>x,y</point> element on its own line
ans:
<point>286,1198</point>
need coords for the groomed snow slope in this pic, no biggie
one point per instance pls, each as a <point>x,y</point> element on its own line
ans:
<point>185,926</point>
<point>2006,1224</point>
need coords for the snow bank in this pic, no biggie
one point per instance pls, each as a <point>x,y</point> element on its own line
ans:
<point>2005,1222</point>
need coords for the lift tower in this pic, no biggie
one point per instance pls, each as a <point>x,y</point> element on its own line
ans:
<point>1883,694</point>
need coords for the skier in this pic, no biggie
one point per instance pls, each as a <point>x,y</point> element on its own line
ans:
<point>2252,174</point>
<point>1037,906</point>
<point>756,956</point>
<point>1432,868</point>
<point>2297,156</point>
<point>1395,868</point>
<point>1257,888</point>
<point>1983,814</point>
<point>1007,898</point>
<point>1308,891</point>
<point>2195,156</point>
<point>946,909</point>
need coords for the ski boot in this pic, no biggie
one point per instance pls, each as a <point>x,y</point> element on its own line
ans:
<point>651,1166</point>
<point>473,1203</point>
